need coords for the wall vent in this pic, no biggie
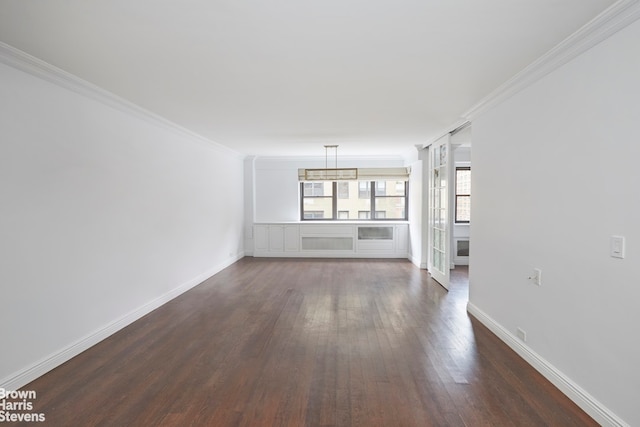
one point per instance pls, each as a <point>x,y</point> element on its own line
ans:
<point>375,233</point>
<point>462,248</point>
<point>327,243</point>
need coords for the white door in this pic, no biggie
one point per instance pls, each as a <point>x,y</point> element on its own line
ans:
<point>439,230</point>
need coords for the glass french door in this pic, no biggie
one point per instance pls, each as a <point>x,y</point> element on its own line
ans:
<point>439,229</point>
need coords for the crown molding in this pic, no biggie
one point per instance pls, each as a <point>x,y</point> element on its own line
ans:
<point>616,17</point>
<point>315,158</point>
<point>22,61</point>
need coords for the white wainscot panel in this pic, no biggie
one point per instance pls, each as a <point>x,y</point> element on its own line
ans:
<point>291,238</point>
<point>276,238</point>
<point>330,240</point>
<point>261,238</point>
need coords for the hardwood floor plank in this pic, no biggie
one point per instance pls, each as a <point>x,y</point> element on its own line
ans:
<point>306,342</point>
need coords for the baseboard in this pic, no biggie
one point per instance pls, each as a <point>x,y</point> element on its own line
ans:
<point>573,391</point>
<point>25,376</point>
<point>416,261</point>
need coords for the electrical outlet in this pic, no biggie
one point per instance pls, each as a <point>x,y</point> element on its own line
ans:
<point>521,334</point>
<point>616,249</point>
<point>536,277</point>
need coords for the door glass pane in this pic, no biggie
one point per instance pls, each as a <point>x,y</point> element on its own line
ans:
<point>436,259</point>
<point>443,197</point>
<point>443,155</point>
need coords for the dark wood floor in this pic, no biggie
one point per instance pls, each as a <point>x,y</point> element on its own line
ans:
<point>306,343</point>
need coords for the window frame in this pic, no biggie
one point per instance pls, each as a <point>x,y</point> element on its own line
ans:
<point>333,197</point>
<point>460,195</point>
<point>372,185</point>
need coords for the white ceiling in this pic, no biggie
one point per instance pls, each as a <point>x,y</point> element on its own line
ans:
<point>285,77</point>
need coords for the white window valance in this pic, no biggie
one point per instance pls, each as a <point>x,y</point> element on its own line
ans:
<point>361,174</point>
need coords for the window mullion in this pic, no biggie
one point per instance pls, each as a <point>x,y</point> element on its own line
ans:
<point>406,200</point>
<point>334,200</point>
<point>372,214</point>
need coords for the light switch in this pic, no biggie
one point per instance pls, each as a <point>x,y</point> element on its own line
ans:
<point>617,246</point>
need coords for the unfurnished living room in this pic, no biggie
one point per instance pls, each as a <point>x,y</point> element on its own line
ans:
<point>320,213</point>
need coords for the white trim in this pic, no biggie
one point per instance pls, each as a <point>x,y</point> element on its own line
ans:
<point>22,61</point>
<point>578,395</point>
<point>417,262</point>
<point>610,21</point>
<point>603,26</point>
<point>30,373</point>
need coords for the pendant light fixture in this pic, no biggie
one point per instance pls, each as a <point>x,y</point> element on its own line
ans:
<point>331,174</point>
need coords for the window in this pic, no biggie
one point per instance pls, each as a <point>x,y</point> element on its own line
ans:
<point>343,200</point>
<point>463,195</point>
<point>317,200</point>
<point>389,199</point>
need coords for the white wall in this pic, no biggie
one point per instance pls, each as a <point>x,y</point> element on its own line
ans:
<point>277,188</point>
<point>102,215</point>
<point>417,221</point>
<point>249,203</point>
<point>555,174</point>
<point>461,158</point>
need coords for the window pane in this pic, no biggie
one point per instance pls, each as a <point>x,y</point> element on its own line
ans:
<point>317,207</point>
<point>313,189</point>
<point>343,214</point>
<point>463,208</point>
<point>390,199</point>
<point>390,207</point>
<point>463,192</point>
<point>398,188</point>
<point>364,189</point>
<point>343,190</point>
<point>354,204</point>
<point>463,181</point>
